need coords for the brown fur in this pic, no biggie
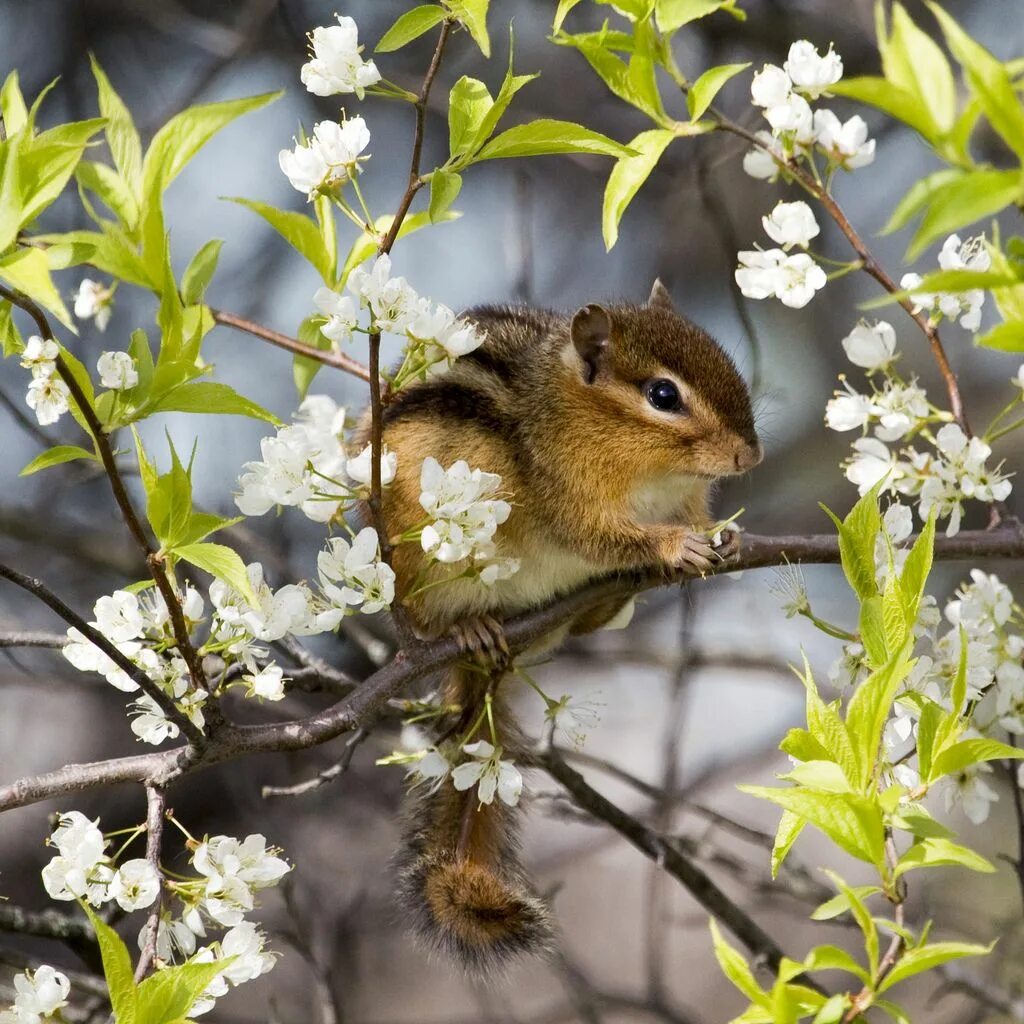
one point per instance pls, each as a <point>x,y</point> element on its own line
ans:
<point>599,482</point>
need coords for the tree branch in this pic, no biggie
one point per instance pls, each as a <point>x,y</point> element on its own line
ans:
<point>155,807</point>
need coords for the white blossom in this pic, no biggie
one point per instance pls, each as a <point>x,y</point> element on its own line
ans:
<point>871,346</point>
<point>37,994</point>
<point>94,300</point>
<point>970,790</point>
<point>135,885</point>
<point>809,71</point>
<point>791,224</point>
<point>360,468</point>
<point>336,65</point>
<point>267,684</point>
<point>872,462</point>
<point>898,522</point>
<point>431,769</point>
<point>846,143</point>
<point>342,315</point>
<point>965,306</point>
<point>40,356</point>
<point>901,409</point>
<point>117,371</point>
<point>48,398</point>
<point>328,159</point>
<point>118,616</point>
<point>79,870</point>
<point>849,410</point>
<point>792,279</point>
<point>761,164</point>
<point>365,580</point>
<point>489,774</point>
<point>392,301</point>
<point>770,87</point>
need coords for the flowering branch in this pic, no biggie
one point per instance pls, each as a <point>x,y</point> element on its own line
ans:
<point>137,675</point>
<point>418,659</point>
<point>154,561</point>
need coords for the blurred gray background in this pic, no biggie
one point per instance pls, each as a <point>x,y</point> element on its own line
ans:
<point>695,695</point>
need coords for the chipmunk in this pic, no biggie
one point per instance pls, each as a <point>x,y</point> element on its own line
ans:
<point>608,428</point>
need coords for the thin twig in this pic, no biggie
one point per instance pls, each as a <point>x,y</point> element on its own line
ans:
<point>155,806</point>
<point>327,775</point>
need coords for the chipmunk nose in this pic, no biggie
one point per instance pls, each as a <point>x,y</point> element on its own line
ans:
<point>748,457</point>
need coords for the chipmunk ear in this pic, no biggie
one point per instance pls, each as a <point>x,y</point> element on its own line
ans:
<point>660,298</point>
<point>591,333</point>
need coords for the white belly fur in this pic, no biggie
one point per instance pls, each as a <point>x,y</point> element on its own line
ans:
<point>665,499</point>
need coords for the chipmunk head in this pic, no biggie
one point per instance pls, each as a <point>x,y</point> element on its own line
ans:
<point>663,389</point>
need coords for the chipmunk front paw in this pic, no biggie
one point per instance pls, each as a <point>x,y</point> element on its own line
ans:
<point>690,551</point>
<point>483,640</point>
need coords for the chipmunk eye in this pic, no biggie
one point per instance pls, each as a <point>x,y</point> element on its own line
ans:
<point>664,396</point>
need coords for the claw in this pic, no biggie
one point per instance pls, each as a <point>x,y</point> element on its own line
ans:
<point>483,639</point>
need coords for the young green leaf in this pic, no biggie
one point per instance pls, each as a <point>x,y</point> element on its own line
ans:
<point>857,535</point>
<point>117,970</point>
<point>167,996</point>
<point>862,916</point>
<point>869,708</point>
<point>545,137</point>
<point>938,852</point>
<point>120,131</point>
<point>10,337</point>
<point>735,967</point>
<point>27,271</point>
<point>841,904</point>
<point>200,271</point>
<point>221,562</point>
<point>832,958</point>
<point>55,457</point>
<point>889,98</point>
<point>924,958</point>
<point>561,13</point>
<point>12,104</point>
<point>826,775</point>
<point>469,102</point>
<point>473,14</point>
<point>211,397</point>
<point>111,189</point>
<point>301,233</point>
<point>913,818</point>
<point>409,26</point>
<point>444,190</point>
<point>790,827</point>
<point>852,822</point>
<point>673,14</point>
<point>703,92</point>
<point>918,196</point>
<point>964,753</point>
<point>305,369</point>
<point>628,174</point>
<point>1008,337</point>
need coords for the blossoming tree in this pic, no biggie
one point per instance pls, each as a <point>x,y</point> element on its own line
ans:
<point>928,699</point>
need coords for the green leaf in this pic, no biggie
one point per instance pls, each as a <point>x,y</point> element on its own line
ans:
<point>615,73</point>
<point>12,104</point>
<point>117,970</point>
<point>109,251</point>
<point>883,94</point>
<point>841,904</point>
<point>410,26</point>
<point>868,710</point>
<point>221,562</point>
<point>832,958</point>
<point>988,79</point>
<point>56,456</point>
<point>48,161</point>
<point>703,92</point>
<point>10,191</point>
<point>832,1010</point>
<point>1008,337</point>
<point>301,233</point>
<point>790,827</point>
<point>963,201</point>
<point>106,183</point>
<point>918,196</point>
<point>871,626</point>
<point>857,535</point>
<point>305,369</point>
<point>912,61</point>
<point>444,190</point>
<point>28,271</point>
<point>81,376</point>
<point>830,731</point>
<point>628,174</point>
<point>200,271</point>
<point>10,338</point>
<point>561,12</point>
<point>825,775</point>
<point>544,137</point>
<point>927,726</point>
<point>915,819</point>
<point>924,958</point>
<point>964,753</point>
<point>852,822</point>
<point>941,853</point>
<point>673,14</point>
<point>469,102</point>
<point>211,397</point>
<point>120,131</point>
<point>735,967</point>
<point>165,997</point>
<point>800,744</point>
<point>473,14</point>
<point>863,917</point>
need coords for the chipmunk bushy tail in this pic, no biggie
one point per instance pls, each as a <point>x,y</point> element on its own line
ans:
<point>459,876</point>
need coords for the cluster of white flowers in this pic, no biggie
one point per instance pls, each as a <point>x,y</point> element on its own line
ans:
<point>47,394</point>
<point>82,870</point>
<point>336,65</point>
<point>140,628</point>
<point>326,160</point>
<point>307,465</point>
<point>436,337</point>
<point>796,130</point>
<point>353,575</point>
<point>465,513</point>
<point>39,994</point>
<point>94,301</point>
<point>775,273</point>
<point>964,306</point>
<point>953,471</point>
